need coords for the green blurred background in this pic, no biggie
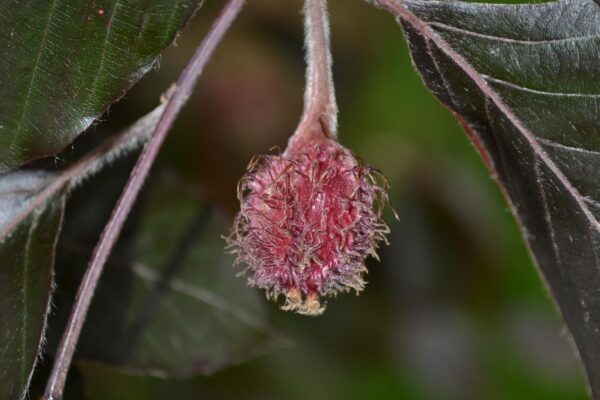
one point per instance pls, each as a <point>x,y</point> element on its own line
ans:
<point>454,310</point>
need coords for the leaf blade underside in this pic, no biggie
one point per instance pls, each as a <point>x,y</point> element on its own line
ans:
<point>177,317</point>
<point>524,80</point>
<point>64,63</point>
<point>26,280</point>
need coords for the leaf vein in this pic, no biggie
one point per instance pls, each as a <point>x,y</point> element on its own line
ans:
<point>547,216</point>
<point>204,296</point>
<point>34,74</point>
<point>509,40</point>
<point>561,146</point>
<point>512,85</point>
<point>105,44</point>
<point>25,306</point>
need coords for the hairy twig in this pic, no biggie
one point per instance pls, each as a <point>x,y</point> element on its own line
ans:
<point>179,96</point>
<point>320,108</point>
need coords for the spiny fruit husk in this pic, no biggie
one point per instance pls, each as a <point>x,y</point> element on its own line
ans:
<point>308,220</point>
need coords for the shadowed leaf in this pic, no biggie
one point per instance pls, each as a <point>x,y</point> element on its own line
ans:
<point>26,278</point>
<point>525,83</point>
<point>182,311</point>
<point>64,62</point>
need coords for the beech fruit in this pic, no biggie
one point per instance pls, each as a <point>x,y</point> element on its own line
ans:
<point>308,220</point>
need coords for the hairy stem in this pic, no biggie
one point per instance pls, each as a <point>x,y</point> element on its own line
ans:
<point>320,108</point>
<point>179,96</point>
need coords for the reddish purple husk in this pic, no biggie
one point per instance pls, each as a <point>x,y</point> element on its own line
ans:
<point>308,220</point>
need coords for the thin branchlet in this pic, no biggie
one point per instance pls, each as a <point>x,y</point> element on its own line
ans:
<point>320,108</point>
